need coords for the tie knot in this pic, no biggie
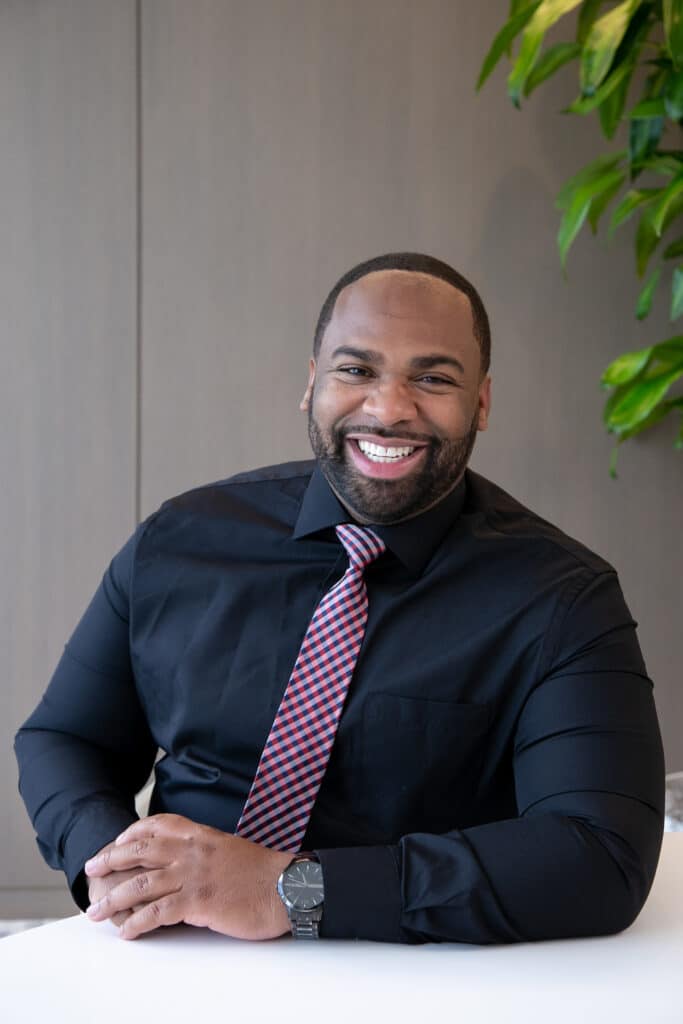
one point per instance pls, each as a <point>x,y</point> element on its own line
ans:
<point>361,544</point>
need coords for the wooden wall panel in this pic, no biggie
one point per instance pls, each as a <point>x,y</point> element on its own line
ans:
<point>68,353</point>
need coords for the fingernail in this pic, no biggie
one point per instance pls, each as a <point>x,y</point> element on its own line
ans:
<point>90,864</point>
<point>93,910</point>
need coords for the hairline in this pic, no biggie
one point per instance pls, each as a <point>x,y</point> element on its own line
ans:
<point>413,273</point>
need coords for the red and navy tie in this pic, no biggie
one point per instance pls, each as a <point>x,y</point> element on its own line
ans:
<point>298,747</point>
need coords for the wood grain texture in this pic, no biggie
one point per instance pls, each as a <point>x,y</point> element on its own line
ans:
<point>67,344</point>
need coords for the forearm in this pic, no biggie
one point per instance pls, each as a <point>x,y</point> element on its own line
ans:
<point>578,860</point>
<point>537,877</point>
<point>86,749</point>
<point>76,800</point>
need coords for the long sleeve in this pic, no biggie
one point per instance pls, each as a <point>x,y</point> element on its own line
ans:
<point>86,750</point>
<point>580,858</point>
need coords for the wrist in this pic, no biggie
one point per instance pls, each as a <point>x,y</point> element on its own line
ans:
<point>277,910</point>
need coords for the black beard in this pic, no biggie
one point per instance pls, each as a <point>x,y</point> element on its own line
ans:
<point>390,501</point>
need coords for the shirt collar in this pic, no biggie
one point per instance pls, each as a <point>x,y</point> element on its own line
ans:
<point>413,541</point>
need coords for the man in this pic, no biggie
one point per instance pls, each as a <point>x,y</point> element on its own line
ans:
<point>380,659</point>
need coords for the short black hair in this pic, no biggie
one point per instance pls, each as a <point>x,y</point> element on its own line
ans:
<point>416,263</point>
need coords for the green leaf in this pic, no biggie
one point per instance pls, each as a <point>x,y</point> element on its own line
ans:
<point>629,204</point>
<point>613,461</point>
<point>673,96</point>
<point>584,104</point>
<point>588,15</point>
<point>571,224</point>
<point>601,44</point>
<point>579,207</point>
<point>643,137</point>
<point>550,62</point>
<point>673,30</point>
<point>612,107</point>
<point>625,368</point>
<point>518,5</point>
<point>544,17</point>
<point>591,172</point>
<point>668,205</point>
<point>507,34</point>
<point>660,412</point>
<point>602,201</point>
<point>662,164</point>
<point>674,250</point>
<point>645,298</point>
<point>648,109</point>
<point>641,398</point>
<point>669,352</point>
<point>647,240</point>
<point>677,294</point>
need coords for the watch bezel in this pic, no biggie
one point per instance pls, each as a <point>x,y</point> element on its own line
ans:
<point>291,907</point>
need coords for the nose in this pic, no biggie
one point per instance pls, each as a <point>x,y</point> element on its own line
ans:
<point>390,402</point>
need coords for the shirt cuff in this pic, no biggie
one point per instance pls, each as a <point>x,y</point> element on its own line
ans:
<point>97,824</point>
<point>362,893</point>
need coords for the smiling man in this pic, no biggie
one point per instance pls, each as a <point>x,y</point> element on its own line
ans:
<point>396,393</point>
<point>393,702</point>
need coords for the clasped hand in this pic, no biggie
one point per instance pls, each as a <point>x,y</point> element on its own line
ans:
<point>166,869</point>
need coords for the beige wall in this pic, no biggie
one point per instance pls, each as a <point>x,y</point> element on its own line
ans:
<point>181,252</point>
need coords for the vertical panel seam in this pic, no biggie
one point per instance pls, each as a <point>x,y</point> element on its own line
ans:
<point>138,263</point>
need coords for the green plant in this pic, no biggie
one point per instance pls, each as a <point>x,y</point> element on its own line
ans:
<point>634,46</point>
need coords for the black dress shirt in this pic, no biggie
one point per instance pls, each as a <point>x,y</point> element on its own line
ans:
<point>497,774</point>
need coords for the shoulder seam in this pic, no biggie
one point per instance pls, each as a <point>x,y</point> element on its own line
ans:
<point>570,549</point>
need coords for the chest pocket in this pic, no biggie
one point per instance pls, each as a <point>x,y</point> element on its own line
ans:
<point>421,762</point>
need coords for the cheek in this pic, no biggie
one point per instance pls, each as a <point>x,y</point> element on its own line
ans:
<point>449,420</point>
<point>330,403</point>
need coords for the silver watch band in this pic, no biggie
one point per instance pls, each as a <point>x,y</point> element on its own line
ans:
<point>307,929</point>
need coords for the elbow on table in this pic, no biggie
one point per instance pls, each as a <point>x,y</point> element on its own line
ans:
<point>621,893</point>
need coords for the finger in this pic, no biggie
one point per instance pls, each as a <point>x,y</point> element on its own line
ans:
<point>143,888</point>
<point>160,913</point>
<point>140,853</point>
<point>99,887</point>
<point>119,918</point>
<point>171,825</point>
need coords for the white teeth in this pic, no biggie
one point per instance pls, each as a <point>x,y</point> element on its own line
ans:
<point>377,453</point>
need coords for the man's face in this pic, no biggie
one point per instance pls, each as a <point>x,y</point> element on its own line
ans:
<point>395,396</point>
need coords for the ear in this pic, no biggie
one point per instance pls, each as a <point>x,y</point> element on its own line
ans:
<point>305,402</point>
<point>484,403</point>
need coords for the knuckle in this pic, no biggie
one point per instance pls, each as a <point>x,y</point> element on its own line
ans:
<point>155,911</point>
<point>140,846</point>
<point>205,893</point>
<point>141,883</point>
<point>105,902</point>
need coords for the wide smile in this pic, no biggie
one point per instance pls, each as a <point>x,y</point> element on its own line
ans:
<point>383,459</point>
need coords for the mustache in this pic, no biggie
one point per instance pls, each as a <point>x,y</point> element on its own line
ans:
<point>365,428</point>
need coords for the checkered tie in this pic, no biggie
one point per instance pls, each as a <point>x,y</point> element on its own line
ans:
<point>298,747</point>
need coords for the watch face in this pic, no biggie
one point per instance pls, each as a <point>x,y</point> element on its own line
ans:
<point>302,885</point>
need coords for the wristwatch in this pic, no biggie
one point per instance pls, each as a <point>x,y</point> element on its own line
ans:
<point>300,887</point>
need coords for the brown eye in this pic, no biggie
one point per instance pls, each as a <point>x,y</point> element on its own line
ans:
<point>437,381</point>
<point>354,371</point>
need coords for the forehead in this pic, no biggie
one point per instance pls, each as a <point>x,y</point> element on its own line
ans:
<point>399,307</point>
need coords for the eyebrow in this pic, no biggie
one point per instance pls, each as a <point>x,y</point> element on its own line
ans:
<point>416,363</point>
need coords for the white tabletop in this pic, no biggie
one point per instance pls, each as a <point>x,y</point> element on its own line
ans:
<point>76,971</point>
